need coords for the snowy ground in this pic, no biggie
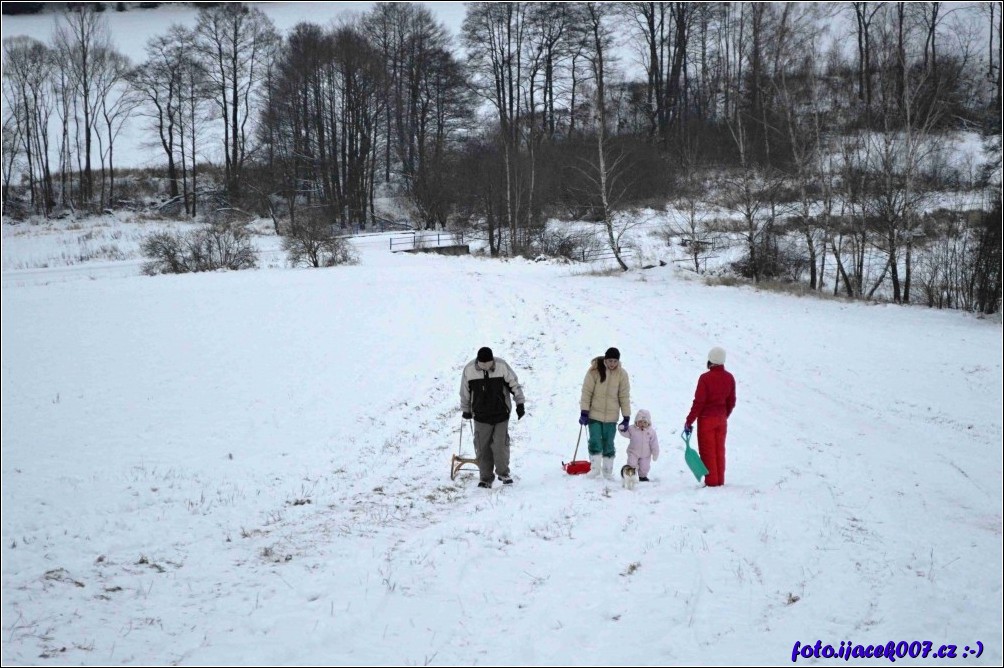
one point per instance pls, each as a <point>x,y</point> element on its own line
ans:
<point>253,467</point>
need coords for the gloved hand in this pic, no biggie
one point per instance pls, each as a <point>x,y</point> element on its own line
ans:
<point>584,418</point>
<point>687,429</point>
<point>520,411</point>
<point>466,415</point>
<point>655,457</point>
<point>624,423</point>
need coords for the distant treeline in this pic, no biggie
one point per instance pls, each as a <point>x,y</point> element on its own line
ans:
<point>764,112</point>
<point>18,8</point>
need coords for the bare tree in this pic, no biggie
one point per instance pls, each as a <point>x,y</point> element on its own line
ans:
<point>607,169</point>
<point>650,20</point>
<point>494,35</point>
<point>28,69</point>
<point>426,93</point>
<point>444,107</point>
<point>322,123</point>
<point>234,43</point>
<point>897,158</point>
<point>115,104</point>
<point>751,190</point>
<point>194,97</point>
<point>81,37</point>
<point>703,84</point>
<point>985,274</point>
<point>754,194</point>
<point>551,36</point>
<point>159,84</point>
<point>385,27</point>
<point>864,15</point>
<point>995,61</point>
<point>796,83</point>
<point>663,30</point>
<point>931,15</point>
<point>690,212</point>
<point>359,77</point>
<point>11,152</point>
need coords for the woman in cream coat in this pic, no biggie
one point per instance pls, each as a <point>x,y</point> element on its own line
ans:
<point>606,394</point>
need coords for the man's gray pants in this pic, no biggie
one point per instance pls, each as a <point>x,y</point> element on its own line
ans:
<point>491,448</point>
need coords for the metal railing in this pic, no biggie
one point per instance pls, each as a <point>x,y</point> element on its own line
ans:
<point>601,254</point>
<point>419,239</point>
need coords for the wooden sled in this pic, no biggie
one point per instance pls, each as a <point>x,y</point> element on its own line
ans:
<point>458,461</point>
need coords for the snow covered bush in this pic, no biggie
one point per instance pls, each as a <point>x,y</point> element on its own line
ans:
<point>564,242</point>
<point>769,259</point>
<point>311,241</point>
<point>223,244</point>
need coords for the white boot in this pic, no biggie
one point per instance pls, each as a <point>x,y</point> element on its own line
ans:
<point>594,465</point>
<point>608,468</point>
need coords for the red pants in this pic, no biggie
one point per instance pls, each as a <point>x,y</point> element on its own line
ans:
<point>711,446</point>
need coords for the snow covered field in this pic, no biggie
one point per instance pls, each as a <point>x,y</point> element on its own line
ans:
<point>253,467</point>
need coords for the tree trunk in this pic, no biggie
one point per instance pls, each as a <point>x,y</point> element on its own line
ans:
<point>893,268</point>
<point>601,118</point>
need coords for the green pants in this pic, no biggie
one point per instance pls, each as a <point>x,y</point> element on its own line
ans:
<point>601,438</point>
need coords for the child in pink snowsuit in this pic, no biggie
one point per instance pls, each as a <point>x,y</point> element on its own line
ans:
<point>644,446</point>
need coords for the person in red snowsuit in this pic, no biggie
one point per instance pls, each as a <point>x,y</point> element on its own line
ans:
<point>714,399</point>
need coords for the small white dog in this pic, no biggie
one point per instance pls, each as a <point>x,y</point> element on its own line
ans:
<point>629,476</point>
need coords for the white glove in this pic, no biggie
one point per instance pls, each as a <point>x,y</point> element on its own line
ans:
<point>655,458</point>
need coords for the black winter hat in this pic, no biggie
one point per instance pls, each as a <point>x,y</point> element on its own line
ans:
<point>612,354</point>
<point>485,355</point>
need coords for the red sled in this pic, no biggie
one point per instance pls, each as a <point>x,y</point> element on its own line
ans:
<point>577,466</point>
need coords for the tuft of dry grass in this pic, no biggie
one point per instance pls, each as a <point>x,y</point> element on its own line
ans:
<point>600,272</point>
<point>780,287</point>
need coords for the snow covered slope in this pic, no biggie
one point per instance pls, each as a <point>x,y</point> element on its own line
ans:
<point>235,468</point>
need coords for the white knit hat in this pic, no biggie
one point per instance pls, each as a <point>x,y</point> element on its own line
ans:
<point>717,355</point>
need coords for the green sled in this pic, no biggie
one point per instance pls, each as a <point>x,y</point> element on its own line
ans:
<point>694,462</point>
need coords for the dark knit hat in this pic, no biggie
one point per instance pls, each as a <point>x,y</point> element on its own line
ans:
<point>612,354</point>
<point>485,355</point>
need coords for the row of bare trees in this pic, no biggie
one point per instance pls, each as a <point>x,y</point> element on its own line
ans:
<point>193,78</point>
<point>83,86</point>
<point>829,153</point>
<point>356,104</point>
<point>76,83</point>
<point>853,167</point>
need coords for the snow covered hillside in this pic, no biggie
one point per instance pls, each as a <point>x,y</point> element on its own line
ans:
<point>253,467</point>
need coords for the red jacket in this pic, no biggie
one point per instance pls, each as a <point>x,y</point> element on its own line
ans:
<point>715,395</point>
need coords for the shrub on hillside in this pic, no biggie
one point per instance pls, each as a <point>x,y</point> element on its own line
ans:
<point>17,210</point>
<point>167,254</point>
<point>311,241</point>
<point>563,242</point>
<point>769,260</point>
<point>222,244</point>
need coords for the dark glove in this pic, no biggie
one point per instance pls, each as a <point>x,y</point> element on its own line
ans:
<point>584,418</point>
<point>625,422</point>
<point>687,429</point>
<point>520,411</point>
<point>466,415</point>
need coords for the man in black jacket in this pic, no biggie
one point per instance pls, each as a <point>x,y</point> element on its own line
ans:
<point>485,388</point>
